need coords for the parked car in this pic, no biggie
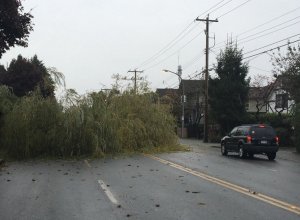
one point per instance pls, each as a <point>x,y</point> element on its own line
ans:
<point>252,139</point>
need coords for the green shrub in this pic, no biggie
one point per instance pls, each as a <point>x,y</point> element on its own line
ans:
<point>297,127</point>
<point>281,123</point>
<point>284,135</point>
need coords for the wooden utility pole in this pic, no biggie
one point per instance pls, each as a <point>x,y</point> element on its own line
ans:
<point>135,78</point>
<point>206,76</point>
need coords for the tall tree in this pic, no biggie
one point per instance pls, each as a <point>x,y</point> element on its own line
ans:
<point>228,92</point>
<point>15,25</point>
<point>259,88</point>
<point>287,67</point>
<point>25,75</point>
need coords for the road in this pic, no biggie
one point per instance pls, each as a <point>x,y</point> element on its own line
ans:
<point>200,184</point>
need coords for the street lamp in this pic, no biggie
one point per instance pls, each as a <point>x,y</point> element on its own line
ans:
<point>182,97</point>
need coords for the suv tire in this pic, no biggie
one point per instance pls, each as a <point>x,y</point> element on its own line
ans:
<point>271,156</point>
<point>224,149</point>
<point>242,153</point>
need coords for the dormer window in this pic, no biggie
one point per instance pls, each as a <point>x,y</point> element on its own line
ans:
<point>281,101</point>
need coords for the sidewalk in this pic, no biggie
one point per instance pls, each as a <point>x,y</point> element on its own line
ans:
<point>198,146</point>
<point>198,143</point>
<point>289,154</point>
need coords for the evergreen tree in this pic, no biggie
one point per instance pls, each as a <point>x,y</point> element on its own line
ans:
<point>228,92</point>
<point>24,76</point>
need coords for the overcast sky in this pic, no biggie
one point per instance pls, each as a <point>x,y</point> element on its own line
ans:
<point>89,40</point>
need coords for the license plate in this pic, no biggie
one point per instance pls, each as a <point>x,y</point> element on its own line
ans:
<point>264,142</point>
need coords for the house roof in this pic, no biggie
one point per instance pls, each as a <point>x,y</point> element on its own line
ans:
<point>166,91</point>
<point>258,92</point>
<point>192,86</point>
<point>265,91</point>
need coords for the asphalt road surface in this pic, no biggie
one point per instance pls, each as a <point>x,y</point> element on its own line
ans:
<point>200,184</point>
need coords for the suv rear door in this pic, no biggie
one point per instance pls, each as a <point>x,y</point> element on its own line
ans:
<point>263,135</point>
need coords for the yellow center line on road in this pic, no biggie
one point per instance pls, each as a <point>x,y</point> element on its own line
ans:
<point>284,205</point>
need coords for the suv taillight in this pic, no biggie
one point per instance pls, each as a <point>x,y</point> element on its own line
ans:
<point>277,140</point>
<point>249,139</point>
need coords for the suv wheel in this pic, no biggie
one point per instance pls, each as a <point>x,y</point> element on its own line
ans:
<point>224,149</point>
<point>271,156</point>
<point>242,153</point>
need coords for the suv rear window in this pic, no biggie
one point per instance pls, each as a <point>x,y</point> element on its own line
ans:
<point>259,132</point>
<point>244,130</point>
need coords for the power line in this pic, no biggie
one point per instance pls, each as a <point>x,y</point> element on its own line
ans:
<point>266,51</point>
<point>169,45</point>
<point>272,28</point>
<point>272,44</point>
<point>242,41</point>
<point>270,21</point>
<point>174,52</point>
<point>219,7</point>
<point>192,61</point>
<point>269,33</point>
<point>234,8</point>
<point>263,24</point>
<point>181,35</point>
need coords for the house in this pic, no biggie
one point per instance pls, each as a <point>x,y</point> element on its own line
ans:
<point>194,101</point>
<point>279,100</point>
<point>269,99</point>
<point>167,95</point>
<point>257,99</point>
<point>193,107</point>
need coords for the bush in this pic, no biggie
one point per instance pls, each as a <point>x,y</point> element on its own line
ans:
<point>281,123</point>
<point>297,127</point>
<point>284,135</point>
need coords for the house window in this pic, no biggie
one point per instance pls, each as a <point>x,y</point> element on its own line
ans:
<point>281,101</point>
<point>247,106</point>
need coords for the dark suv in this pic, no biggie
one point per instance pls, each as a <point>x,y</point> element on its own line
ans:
<point>252,139</point>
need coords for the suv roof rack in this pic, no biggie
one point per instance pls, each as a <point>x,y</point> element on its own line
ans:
<point>255,124</point>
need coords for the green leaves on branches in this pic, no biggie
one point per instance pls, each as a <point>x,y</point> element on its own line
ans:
<point>15,25</point>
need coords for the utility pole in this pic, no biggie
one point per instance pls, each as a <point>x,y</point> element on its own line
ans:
<point>135,78</point>
<point>205,140</point>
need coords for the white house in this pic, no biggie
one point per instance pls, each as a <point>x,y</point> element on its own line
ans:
<point>278,99</point>
<point>270,99</point>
